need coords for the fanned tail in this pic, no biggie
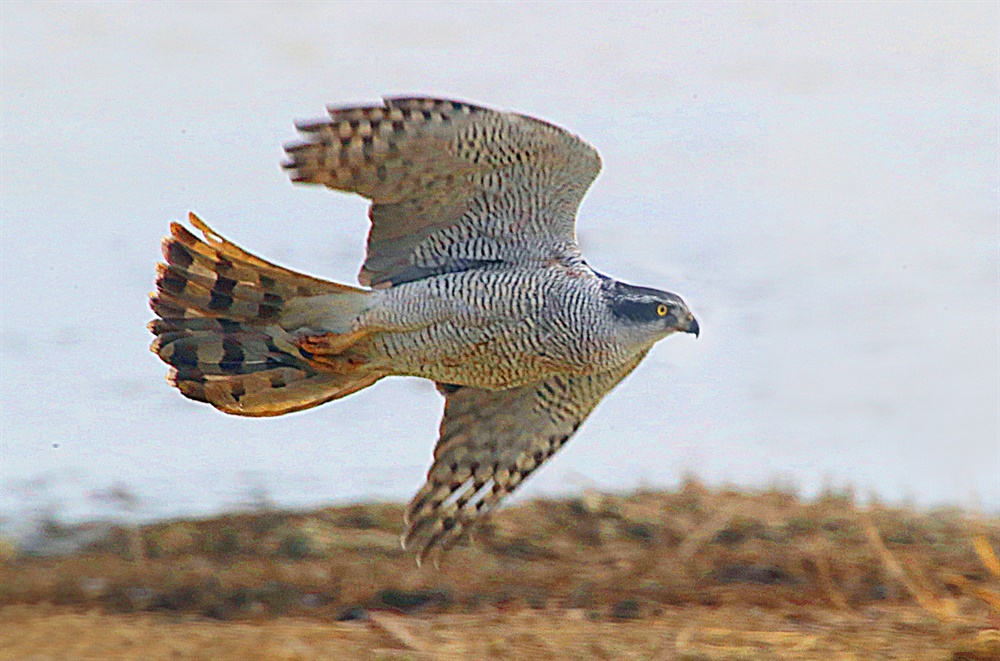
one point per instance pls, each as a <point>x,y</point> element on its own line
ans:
<point>240,333</point>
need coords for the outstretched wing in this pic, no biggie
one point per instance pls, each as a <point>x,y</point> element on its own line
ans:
<point>491,440</point>
<point>452,185</point>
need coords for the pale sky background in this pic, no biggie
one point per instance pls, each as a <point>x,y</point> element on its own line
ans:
<point>819,181</point>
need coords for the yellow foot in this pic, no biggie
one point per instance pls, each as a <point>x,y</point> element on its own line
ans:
<point>330,344</point>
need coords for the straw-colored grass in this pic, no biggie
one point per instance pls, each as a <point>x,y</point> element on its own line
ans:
<point>692,574</point>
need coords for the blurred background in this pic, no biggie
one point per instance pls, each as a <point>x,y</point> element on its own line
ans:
<point>818,181</point>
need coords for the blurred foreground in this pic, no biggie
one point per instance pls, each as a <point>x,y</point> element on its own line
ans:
<point>692,574</point>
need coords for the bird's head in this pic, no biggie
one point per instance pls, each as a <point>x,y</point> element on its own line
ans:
<point>649,313</point>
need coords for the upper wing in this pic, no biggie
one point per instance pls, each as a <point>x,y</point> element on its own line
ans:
<point>491,440</point>
<point>451,184</point>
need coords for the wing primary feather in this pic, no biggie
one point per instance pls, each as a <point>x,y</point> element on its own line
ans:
<point>442,175</point>
<point>491,441</point>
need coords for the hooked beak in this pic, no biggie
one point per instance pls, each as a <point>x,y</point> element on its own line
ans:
<point>692,327</point>
<point>688,324</point>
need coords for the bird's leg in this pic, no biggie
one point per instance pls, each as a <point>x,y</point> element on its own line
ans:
<point>330,344</point>
<point>335,352</point>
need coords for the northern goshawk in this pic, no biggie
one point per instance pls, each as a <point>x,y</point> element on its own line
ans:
<point>473,279</point>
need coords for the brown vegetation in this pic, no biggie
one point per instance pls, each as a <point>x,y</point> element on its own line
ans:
<point>692,574</point>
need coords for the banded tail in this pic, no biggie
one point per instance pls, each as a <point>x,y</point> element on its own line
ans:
<point>250,337</point>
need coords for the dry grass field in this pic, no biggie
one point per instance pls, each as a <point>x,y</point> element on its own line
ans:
<point>694,574</point>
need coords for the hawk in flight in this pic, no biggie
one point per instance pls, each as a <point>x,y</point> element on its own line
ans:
<point>473,279</point>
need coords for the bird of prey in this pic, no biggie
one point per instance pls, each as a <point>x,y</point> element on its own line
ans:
<point>472,278</point>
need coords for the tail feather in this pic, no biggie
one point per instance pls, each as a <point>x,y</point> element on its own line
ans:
<point>227,275</point>
<point>231,324</point>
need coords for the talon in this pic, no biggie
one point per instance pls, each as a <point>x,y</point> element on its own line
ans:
<point>329,343</point>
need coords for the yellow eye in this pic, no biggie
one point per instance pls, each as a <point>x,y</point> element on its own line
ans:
<point>661,310</point>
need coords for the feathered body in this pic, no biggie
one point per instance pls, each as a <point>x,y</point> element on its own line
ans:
<point>501,328</point>
<point>476,283</point>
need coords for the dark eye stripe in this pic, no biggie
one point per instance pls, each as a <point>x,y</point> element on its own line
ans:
<point>635,310</point>
<point>638,304</point>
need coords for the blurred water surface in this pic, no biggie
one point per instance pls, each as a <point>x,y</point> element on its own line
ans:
<point>818,181</point>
